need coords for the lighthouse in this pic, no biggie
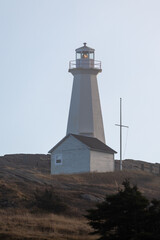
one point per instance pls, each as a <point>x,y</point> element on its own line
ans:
<point>85,117</point>
<point>83,149</point>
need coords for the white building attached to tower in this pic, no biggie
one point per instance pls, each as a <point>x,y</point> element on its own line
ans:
<point>83,149</point>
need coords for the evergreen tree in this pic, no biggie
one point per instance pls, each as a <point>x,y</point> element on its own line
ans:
<point>127,215</point>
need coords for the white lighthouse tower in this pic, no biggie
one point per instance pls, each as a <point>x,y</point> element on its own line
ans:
<point>83,149</point>
<point>85,117</point>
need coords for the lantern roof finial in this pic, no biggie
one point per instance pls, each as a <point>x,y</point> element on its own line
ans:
<point>85,49</point>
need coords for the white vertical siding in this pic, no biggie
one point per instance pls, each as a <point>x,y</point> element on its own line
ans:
<point>101,162</point>
<point>75,157</point>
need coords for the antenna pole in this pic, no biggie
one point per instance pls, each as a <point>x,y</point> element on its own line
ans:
<point>120,134</point>
<point>120,126</point>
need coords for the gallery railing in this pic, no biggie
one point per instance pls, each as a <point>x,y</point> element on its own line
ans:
<point>85,63</point>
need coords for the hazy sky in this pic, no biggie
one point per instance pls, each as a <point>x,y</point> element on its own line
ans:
<point>38,38</point>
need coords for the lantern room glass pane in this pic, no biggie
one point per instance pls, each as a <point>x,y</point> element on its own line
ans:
<point>78,55</point>
<point>91,55</point>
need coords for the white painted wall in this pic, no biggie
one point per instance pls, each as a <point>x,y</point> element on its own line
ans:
<point>75,157</point>
<point>101,162</point>
<point>85,117</point>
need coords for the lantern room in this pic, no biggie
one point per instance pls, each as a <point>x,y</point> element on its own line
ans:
<point>85,52</point>
<point>85,59</point>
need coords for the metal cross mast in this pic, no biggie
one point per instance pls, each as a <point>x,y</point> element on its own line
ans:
<point>120,125</point>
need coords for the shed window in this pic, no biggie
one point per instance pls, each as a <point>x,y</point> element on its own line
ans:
<point>58,159</point>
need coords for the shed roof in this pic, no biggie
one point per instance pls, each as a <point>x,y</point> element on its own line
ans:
<point>92,143</point>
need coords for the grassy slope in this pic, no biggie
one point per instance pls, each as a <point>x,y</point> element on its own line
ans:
<point>18,181</point>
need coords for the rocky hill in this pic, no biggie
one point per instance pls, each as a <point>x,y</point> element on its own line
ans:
<point>22,175</point>
<point>130,164</point>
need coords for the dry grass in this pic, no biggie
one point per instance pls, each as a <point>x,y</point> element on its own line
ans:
<point>18,183</point>
<point>24,226</point>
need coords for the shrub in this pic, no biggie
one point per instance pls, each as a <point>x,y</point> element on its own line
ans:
<point>49,201</point>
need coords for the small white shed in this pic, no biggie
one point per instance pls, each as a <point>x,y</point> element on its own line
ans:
<point>79,154</point>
